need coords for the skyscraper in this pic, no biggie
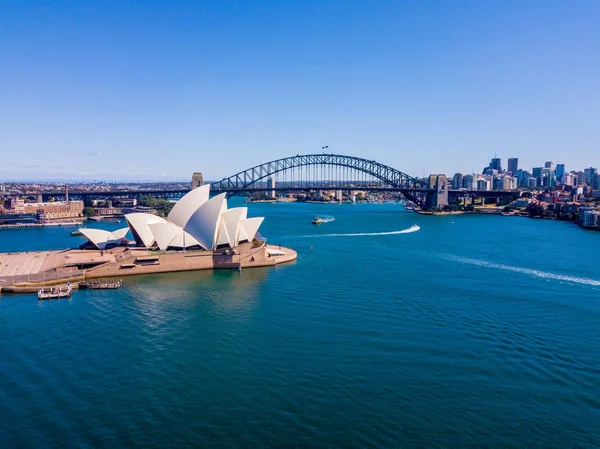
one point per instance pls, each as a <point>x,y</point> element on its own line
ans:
<point>588,174</point>
<point>496,164</point>
<point>560,171</point>
<point>549,165</point>
<point>513,165</point>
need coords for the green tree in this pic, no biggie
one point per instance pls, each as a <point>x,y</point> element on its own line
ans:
<point>162,206</point>
<point>88,211</point>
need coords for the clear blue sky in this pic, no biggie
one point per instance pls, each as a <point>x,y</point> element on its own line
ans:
<point>156,90</point>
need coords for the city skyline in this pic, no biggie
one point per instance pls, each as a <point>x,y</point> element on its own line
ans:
<point>102,91</point>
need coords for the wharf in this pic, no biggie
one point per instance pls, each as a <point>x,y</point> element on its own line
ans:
<point>20,272</point>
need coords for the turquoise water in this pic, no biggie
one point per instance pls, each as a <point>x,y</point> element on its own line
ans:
<point>473,331</point>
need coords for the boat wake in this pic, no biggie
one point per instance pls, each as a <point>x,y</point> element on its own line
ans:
<point>413,228</point>
<point>529,271</point>
<point>327,219</point>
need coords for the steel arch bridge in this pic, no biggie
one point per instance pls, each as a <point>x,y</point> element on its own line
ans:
<point>388,176</point>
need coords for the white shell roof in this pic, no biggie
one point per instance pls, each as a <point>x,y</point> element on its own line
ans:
<point>231,221</point>
<point>168,234</point>
<point>101,238</point>
<point>188,204</point>
<point>194,220</point>
<point>205,221</point>
<point>251,226</point>
<point>138,222</point>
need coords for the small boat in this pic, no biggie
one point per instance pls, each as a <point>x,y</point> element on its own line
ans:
<point>118,221</point>
<point>318,220</point>
<point>63,291</point>
<point>76,233</point>
<point>100,285</point>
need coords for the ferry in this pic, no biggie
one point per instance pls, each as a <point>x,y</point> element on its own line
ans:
<point>318,220</point>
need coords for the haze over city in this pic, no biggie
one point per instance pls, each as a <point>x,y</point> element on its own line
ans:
<point>153,91</point>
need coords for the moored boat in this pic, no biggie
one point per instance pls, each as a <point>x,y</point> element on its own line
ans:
<point>63,291</point>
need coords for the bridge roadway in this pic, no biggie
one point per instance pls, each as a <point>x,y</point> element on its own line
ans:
<point>170,193</point>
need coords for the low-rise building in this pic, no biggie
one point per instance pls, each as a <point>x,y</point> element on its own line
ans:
<point>55,210</point>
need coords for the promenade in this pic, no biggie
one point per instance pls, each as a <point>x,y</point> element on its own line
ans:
<point>46,267</point>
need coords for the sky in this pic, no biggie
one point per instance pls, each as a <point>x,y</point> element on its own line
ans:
<point>154,90</point>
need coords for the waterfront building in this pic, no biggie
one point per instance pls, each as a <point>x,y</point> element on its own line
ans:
<point>47,211</point>
<point>591,219</point>
<point>55,210</point>
<point>195,222</point>
<point>513,165</point>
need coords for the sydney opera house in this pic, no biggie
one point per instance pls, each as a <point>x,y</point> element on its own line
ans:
<point>195,222</point>
<point>199,233</point>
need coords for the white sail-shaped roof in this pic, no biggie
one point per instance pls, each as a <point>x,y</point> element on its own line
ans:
<point>188,204</point>
<point>223,236</point>
<point>231,221</point>
<point>250,226</point>
<point>204,223</point>
<point>170,235</point>
<point>184,239</point>
<point>120,234</point>
<point>101,238</point>
<point>139,224</point>
<point>164,233</point>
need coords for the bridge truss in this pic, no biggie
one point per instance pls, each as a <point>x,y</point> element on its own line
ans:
<point>319,171</point>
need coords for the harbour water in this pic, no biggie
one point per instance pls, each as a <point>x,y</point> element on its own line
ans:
<point>472,331</point>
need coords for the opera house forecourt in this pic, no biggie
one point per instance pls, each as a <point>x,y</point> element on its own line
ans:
<point>199,233</point>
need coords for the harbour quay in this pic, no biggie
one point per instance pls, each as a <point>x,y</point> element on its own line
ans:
<point>20,272</point>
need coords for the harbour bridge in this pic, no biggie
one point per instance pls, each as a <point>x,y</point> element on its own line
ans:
<point>308,172</point>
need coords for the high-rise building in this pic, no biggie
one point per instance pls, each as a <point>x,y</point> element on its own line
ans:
<point>469,182</point>
<point>457,181</point>
<point>513,165</point>
<point>588,174</point>
<point>567,180</point>
<point>560,171</point>
<point>549,165</point>
<point>536,172</point>
<point>496,164</point>
<point>197,180</point>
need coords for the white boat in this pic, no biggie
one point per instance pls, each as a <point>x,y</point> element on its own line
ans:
<point>54,292</point>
